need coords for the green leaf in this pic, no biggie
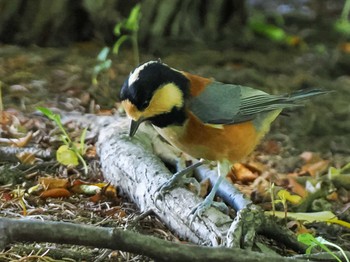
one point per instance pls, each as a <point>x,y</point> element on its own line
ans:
<point>312,242</point>
<point>340,176</point>
<point>345,168</point>
<point>326,242</point>
<point>102,66</point>
<point>333,172</point>
<point>49,114</point>
<point>270,31</point>
<point>306,239</point>
<point>102,56</point>
<point>342,26</point>
<point>324,216</point>
<point>284,196</point>
<point>132,22</point>
<point>118,28</point>
<point>66,156</point>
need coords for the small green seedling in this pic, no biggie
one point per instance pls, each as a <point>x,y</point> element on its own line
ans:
<point>258,25</point>
<point>284,197</point>
<point>312,242</point>
<point>103,64</point>
<point>131,25</point>
<point>270,31</point>
<point>340,176</point>
<point>342,25</point>
<point>70,153</point>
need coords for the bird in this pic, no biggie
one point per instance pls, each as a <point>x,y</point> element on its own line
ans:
<point>204,118</point>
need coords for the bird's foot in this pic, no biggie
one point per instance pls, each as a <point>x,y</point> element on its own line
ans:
<point>166,187</point>
<point>199,209</point>
<point>176,180</point>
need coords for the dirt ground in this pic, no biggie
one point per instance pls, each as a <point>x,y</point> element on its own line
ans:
<point>61,78</point>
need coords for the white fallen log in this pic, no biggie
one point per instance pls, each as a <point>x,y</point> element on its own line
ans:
<point>131,165</point>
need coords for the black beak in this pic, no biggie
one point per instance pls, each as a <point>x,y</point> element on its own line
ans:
<point>134,125</point>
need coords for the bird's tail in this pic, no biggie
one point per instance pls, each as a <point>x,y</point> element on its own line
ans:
<point>305,94</point>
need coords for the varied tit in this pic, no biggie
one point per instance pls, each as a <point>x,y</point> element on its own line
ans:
<point>201,117</point>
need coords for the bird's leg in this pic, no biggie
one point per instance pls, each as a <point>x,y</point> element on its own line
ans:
<point>172,182</point>
<point>223,169</point>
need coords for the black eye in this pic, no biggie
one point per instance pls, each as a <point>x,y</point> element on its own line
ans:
<point>145,104</point>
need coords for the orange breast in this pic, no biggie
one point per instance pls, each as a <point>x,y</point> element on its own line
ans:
<point>231,142</point>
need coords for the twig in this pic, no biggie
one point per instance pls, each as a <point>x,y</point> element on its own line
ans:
<point>24,230</point>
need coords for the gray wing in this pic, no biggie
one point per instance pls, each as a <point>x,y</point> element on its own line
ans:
<point>228,104</point>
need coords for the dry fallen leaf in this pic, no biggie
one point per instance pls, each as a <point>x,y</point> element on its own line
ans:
<point>19,142</point>
<point>309,157</point>
<point>298,227</point>
<point>333,196</point>
<point>315,169</point>
<point>23,141</point>
<point>52,182</point>
<point>295,187</point>
<point>256,166</point>
<point>241,173</point>
<point>91,152</point>
<point>5,118</point>
<point>345,47</point>
<point>55,192</point>
<point>26,158</point>
<point>110,192</point>
<point>7,196</point>
<point>107,191</point>
<point>314,164</point>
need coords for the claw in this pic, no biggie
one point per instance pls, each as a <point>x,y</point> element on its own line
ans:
<point>199,209</point>
<point>175,180</point>
<point>164,188</point>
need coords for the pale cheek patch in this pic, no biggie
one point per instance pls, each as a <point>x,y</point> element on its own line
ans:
<point>164,100</point>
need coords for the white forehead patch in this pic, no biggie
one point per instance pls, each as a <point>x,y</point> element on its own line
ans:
<point>134,76</point>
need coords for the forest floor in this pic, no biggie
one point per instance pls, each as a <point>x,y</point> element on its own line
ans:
<point>303,145</point>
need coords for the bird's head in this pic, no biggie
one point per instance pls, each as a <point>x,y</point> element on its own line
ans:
<point>155,92</point>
